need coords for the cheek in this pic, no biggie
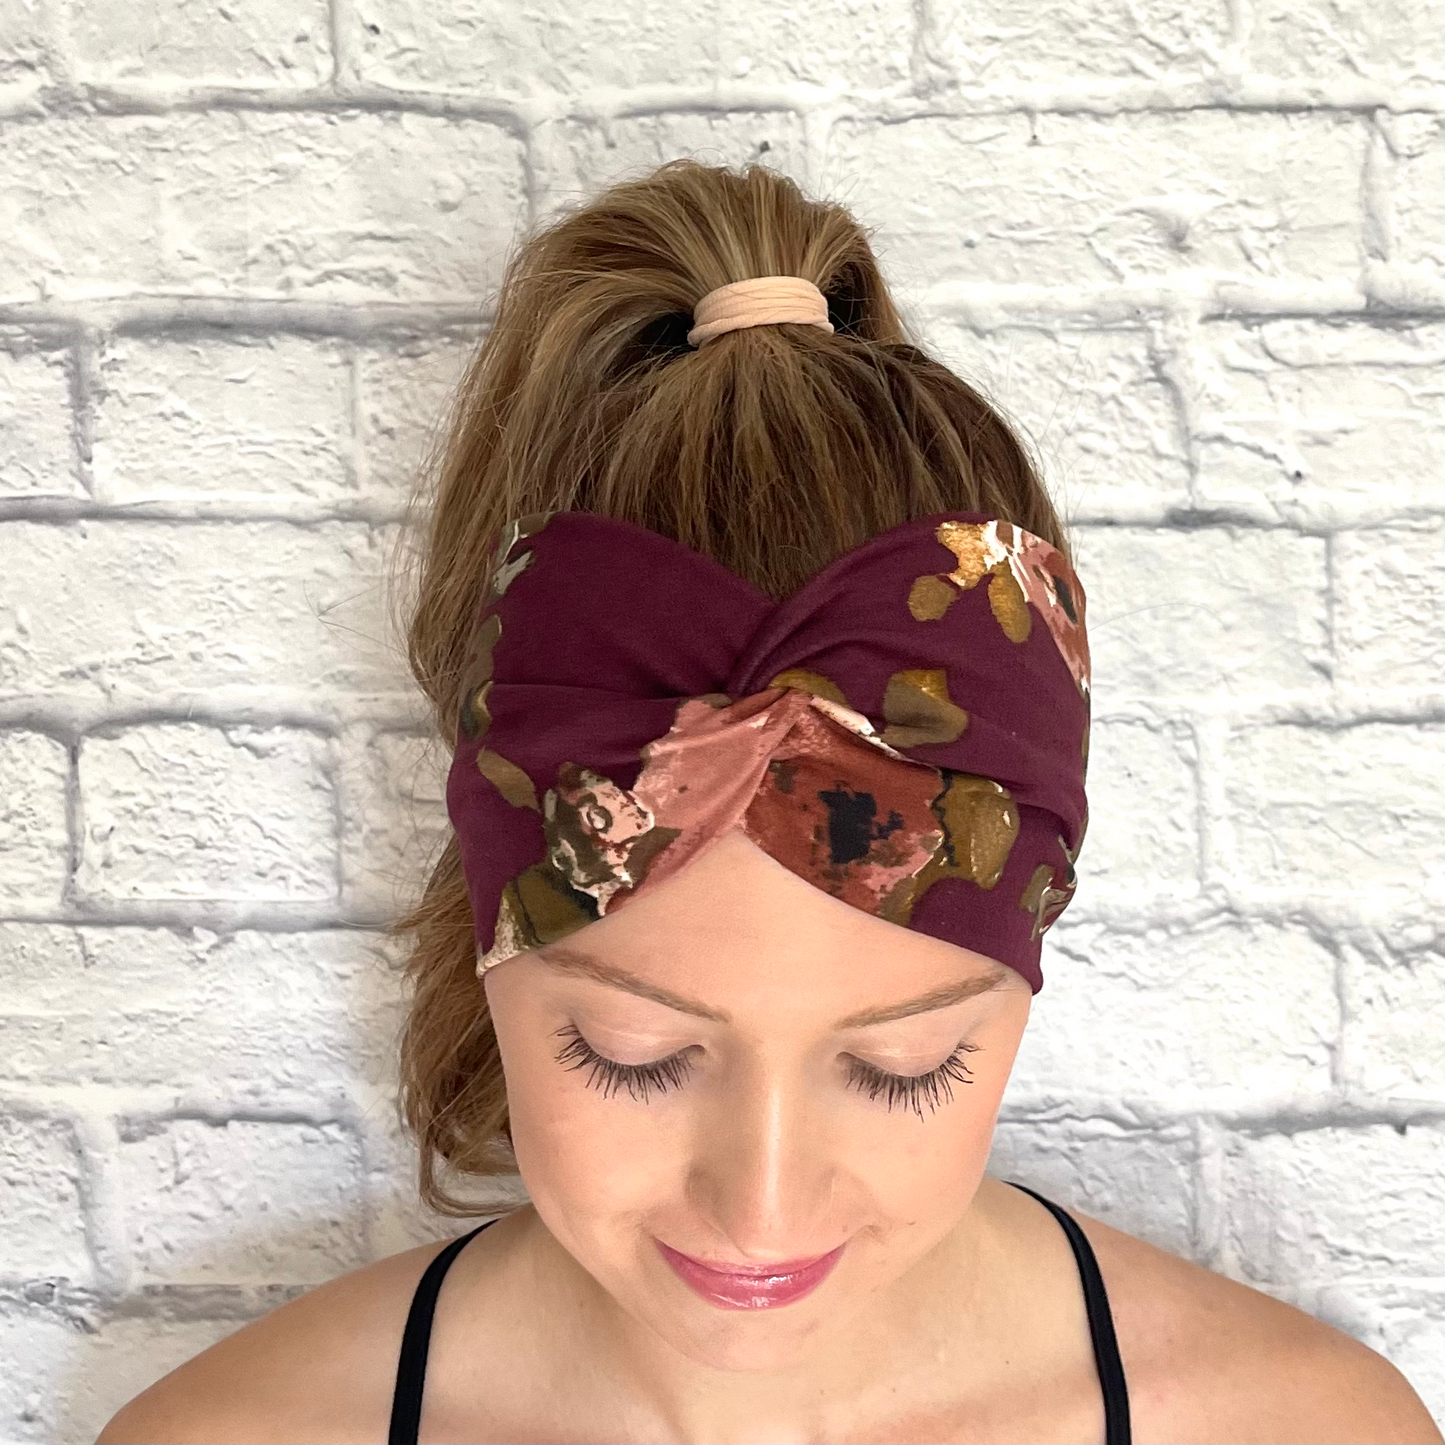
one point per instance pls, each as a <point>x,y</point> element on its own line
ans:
<point>930,1168</point>
<point>578,1151</point>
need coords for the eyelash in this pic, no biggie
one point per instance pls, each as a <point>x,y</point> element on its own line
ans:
<point>913,1091</point>
<point>640,1080</point>
<point>610,1076</point>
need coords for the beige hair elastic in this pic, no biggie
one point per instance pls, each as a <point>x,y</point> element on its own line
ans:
<point>763,301</point>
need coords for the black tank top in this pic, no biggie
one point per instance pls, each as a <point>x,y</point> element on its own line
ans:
<point>411,1366</point>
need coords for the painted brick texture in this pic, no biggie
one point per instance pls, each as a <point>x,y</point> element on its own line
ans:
<point>1197,253</point>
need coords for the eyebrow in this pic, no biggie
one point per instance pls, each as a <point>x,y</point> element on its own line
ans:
<point>571,960</point>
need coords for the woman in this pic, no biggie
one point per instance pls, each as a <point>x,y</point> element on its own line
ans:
<point>765,668</point>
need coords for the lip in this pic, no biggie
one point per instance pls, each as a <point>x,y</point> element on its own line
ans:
<point>747,1287</point>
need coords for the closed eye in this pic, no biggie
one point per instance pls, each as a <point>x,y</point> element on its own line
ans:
<point>912,1091</point>
<point>642,1081</point>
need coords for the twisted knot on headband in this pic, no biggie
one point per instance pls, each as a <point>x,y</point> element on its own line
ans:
<point>908,731</point>
<point>763,301</point>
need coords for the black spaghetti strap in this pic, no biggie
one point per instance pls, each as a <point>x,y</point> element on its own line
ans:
<point>1117,1429</point>
<point>415,1342</point>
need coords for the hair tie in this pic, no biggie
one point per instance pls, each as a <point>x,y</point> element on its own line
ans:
<point>763,301</point>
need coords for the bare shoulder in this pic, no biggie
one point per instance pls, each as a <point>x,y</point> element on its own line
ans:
<point>1209,1359</point>
<point>321,1367</point>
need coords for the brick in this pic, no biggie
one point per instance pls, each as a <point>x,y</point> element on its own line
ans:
<point>1071,199</point>
<point>240,419</point>
<point>1355,812</point>
<point>268,45</point>
<point>574,160</point>
<point>178,810</point>
<point>64,1383</point>
<point>37,440</point>
<point>394,820</point>
<point>1331,420</point>
<point>99,221</point>
<point>337,206</point>
<point>256,1015</point>
<point>1143,834</point>
<point>500,48</point>
<point>40,1202</point>
<point>38,1349</point>
<point>1008,41</point>
<point>1326,41</point>
<point>1199,1015</point>
<point>1332,1202</point>
<point>1394,1040</point>
<point>34,833</point>
<point>240,1202</point>
<point>1415,197</point>
<point>1139,1181</point>
<point>24,51</point>
<point>151,608</point>
<point>1389,607</point>
<point>1091,406</point>
<point>404,393</point>
<point>1213,612</point>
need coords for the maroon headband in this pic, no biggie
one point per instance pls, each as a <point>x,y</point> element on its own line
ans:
<point>908,731</point>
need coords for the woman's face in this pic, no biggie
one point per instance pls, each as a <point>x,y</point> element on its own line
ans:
<point>736,1072</point>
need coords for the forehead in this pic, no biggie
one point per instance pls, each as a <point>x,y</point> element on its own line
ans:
<point>736,927</point>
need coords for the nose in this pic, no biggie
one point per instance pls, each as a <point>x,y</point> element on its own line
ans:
<point>764,1170</point>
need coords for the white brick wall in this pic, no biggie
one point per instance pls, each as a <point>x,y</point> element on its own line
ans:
<point>1198,252</point>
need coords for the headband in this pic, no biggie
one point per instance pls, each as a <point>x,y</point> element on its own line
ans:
<point>908,731</point>
<point>763,301</point>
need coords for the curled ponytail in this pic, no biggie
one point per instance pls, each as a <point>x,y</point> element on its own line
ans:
<point>772,449</point>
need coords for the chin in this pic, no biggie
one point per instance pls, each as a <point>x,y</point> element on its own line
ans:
<point>739,1341</point>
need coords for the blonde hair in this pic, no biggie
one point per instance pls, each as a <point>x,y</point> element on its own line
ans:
<point>772,449</point>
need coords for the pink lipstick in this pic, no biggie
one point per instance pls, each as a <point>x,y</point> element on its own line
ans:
<point>746,1287</point>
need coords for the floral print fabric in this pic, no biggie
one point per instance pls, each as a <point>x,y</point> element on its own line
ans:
<point>899,732</point>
